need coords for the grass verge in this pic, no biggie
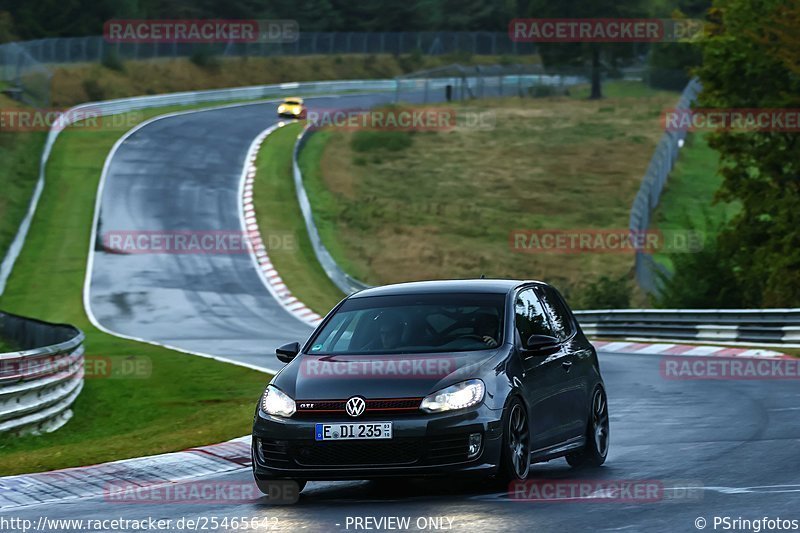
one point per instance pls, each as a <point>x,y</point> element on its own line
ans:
<point>19,158</point>
<point>688,201</point>
<point>186,401</point>
<point>443,205</point>
<point>279,215</point>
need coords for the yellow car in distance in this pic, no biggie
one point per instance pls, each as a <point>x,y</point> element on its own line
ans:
<point>292,108</point>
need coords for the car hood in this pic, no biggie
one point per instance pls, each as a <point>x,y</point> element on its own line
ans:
<point>335,377</point>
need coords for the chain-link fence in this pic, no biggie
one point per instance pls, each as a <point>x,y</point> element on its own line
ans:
<point>27,79</point>
<point>458,82</point>
<point>649,194</point>
<point>94,49</point>
<point>25,65</point>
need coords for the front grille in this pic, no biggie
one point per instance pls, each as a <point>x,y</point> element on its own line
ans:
<point>394,452</point>
<point>381,406</point>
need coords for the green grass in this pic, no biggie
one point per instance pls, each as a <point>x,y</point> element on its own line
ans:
<point>279,214</point>
<point>443,204</point>
<point>687,202</point>
<point>187,401</point>
<point>19,159</point>
<point>6,346</point>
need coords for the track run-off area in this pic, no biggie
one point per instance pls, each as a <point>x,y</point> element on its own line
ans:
<point>714,448</point>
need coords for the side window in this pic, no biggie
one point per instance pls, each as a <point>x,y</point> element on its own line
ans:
<point>559,313</point>
<point>530,317</point>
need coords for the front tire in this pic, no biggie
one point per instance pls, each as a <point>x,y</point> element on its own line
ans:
<point>515,460</point>
<point>595,451</point>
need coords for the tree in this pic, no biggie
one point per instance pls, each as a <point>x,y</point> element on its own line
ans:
<point>577,54</point>
<point>750,60</point>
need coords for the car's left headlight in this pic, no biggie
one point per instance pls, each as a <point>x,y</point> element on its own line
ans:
<point>458,396</point>
<point>276,402</point>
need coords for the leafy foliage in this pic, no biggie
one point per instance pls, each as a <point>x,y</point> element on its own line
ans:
<point>750,60</point>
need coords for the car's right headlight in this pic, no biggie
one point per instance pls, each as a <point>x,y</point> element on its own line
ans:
<point>276,402</point>
<point>458,396</point>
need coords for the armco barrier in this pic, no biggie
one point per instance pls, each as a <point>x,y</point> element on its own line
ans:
<point>39,383</point>
<point>346,283</point>
<point>768,326</point>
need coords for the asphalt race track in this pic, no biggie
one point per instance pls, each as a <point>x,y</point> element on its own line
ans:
<point>738,440</point>
<point>717,448</point>
<point>182,173</point>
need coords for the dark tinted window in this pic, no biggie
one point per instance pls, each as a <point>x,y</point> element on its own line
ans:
<point>530,316</point>
<point>423,323</point>
<point>558,312</point>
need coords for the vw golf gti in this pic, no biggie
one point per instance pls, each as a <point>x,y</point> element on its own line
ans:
<point>434,378</point>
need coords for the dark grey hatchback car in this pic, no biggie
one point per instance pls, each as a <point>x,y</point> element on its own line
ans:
<point>434,378</point>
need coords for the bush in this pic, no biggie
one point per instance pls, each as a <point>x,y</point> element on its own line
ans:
<point>204,57</point>
<point>94,91</point>
<point>605,293</point>
<point>112,61</point>
<point>700,280</point>
<point>370,141</point>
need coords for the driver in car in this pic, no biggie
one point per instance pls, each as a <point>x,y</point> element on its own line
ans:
<point>390,332</point>
<point>487,329</point>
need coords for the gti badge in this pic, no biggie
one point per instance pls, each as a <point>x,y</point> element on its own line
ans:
<point>355,406</point>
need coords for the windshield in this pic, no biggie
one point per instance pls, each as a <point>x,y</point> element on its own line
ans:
<point>291,102</point>
<point>421,323</point>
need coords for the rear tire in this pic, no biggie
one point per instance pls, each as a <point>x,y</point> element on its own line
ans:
<point>515,459</point>
<point>595,451</point>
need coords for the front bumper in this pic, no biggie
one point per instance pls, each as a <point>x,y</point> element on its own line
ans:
<point>421,445</point>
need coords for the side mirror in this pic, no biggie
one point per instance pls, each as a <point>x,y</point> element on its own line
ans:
<point>542,345</point>
<point>287,352</point>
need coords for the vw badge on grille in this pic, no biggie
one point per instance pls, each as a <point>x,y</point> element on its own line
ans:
<point>355,406</point>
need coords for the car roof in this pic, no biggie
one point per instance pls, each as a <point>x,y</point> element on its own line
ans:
<point>491,286</point>
<point>293,99</point>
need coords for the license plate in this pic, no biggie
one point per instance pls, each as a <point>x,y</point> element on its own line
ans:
<point>359,431</point>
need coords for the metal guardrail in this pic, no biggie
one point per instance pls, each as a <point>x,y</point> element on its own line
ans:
<point>39,383</point>
<point>124,105</point>
<point>346,283</point>
<point>649,193</point>
<point>769,326</point>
